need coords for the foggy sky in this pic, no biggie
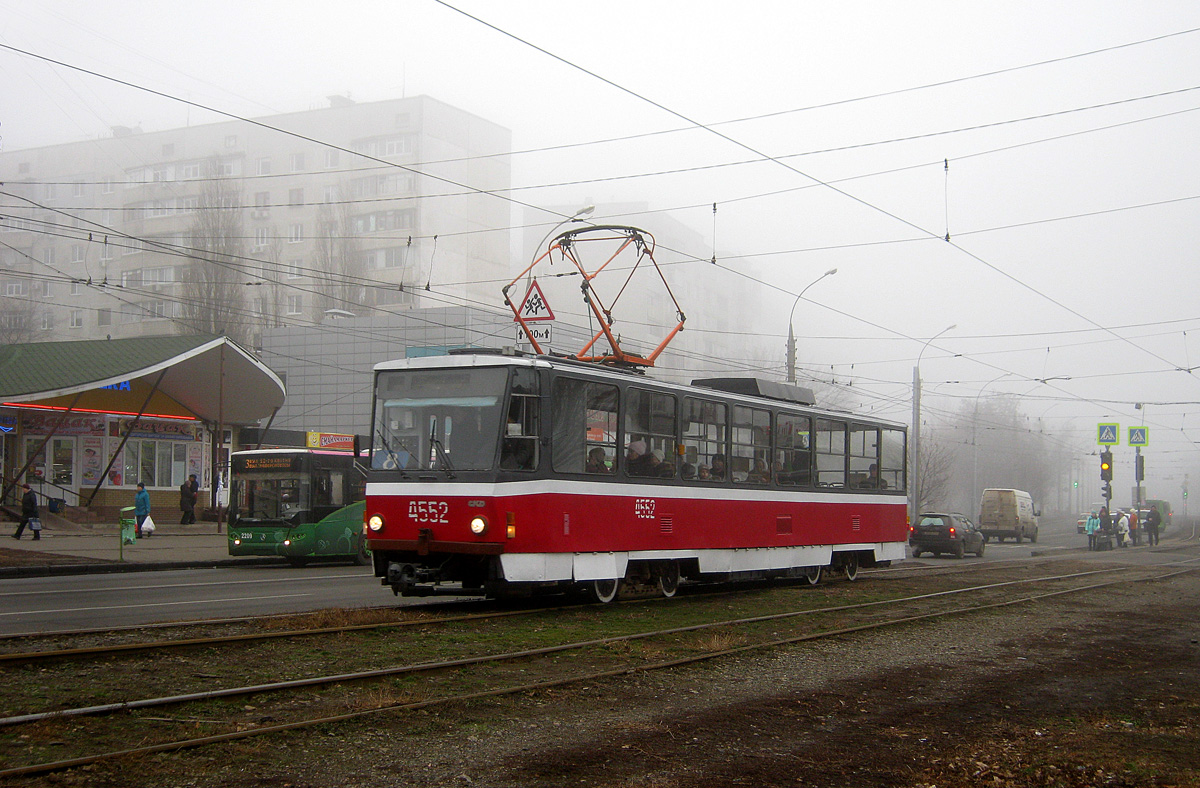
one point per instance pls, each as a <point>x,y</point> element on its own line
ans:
<point>1070,199</point>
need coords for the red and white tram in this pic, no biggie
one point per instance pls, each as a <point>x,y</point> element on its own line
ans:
<point>500,473</point>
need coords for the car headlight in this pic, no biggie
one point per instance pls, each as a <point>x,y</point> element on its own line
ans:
<point>479,525</point>
<point>375,523</point>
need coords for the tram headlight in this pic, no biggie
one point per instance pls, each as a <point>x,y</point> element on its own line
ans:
<point>479,525</point>
<point>375,523</point>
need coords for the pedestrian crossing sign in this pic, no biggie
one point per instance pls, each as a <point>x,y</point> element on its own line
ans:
<point>1108,434</point>
<point>1139,436</point>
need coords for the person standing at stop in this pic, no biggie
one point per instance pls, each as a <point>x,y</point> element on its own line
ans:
<point>1090,528</point>
<point>1153,520</point>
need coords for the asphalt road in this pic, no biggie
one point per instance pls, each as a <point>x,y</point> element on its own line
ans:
<point>70,603</point>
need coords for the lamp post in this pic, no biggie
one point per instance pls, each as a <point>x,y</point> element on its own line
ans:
<point>791,345</point>
<point>974,434</point>
<point>916,430</point>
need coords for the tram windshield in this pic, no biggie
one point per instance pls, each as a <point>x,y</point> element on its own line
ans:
<point>272,499</point>
<point>438,419</point>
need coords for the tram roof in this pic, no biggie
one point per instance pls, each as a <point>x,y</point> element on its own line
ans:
<point>54,374</point>
<point>750,389</point>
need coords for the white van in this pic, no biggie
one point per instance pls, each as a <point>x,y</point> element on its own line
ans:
<point>1007,513</point>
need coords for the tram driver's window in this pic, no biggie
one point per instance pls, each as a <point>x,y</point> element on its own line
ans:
<point>519,444</point>
<point>864,458</point>
<point>891,459</point>
<point>584,427</point>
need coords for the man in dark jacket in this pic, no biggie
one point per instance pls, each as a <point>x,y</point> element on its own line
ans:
<point>189,492</point>
<point>29,511</point>
<point>1153,520</point>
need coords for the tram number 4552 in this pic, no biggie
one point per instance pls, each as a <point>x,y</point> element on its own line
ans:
<point>428,511</point>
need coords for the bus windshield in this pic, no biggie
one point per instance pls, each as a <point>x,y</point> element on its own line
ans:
<point>438,419</point>
<point>272,499</point>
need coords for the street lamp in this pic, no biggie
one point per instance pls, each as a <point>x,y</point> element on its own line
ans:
<point>578,216</point>
<point>916,437</point>
<point>791,345</point>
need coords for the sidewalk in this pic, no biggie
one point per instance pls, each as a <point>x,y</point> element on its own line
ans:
<point>75,548</point>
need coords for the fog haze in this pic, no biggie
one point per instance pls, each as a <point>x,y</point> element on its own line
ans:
<point>1026,173</point>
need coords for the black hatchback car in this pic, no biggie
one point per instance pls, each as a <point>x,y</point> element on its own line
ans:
<point>939,533</point>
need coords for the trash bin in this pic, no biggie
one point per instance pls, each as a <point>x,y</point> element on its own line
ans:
<point>128,526</point>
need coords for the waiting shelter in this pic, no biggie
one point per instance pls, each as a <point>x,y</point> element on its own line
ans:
<point>84,422</point>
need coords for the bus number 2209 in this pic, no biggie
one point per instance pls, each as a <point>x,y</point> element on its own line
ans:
<point>428,511</point>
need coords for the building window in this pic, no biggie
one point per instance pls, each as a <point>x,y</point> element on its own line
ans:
<point>128,279</point>
<point>297,162</point>
<point>264,166</point>
<point>189,171</point>
<point>48,256</point>
<point>262,237</point>
<point>296,197</point>
<point>77,253</point>
<point>104,317</point>
<point>49,191</point>
<point>76,288</point>
<point>106,186</point>
<point>14,288</point>
<point>47,321</point>
<point>76,318</point>
<point>78,190</point>
<point>262,199</point>
<point>294,271</point>
<point>331,159</point>
<point>231,141</point>
<point>295,304</point>
<point>296,234</point>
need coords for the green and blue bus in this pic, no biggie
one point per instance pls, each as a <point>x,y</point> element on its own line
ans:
<point>302,504</point>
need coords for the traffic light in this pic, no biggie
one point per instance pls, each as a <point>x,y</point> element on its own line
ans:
<point>1075,483</point>
<point>1106,491</point>
<point>1139,468</point>
<point>1106,466</point>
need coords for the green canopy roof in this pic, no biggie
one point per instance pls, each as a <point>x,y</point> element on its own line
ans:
<point>193,364</point>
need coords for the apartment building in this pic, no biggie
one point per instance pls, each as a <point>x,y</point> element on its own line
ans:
<point>238,227</point>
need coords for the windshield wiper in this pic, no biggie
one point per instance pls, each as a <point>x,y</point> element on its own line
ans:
<point>442,454</point>
<point>392,454</point>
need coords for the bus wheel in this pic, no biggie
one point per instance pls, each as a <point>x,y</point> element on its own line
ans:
<point>668,578</point>
<point>812,574</point>
<point>851,567</point>
<point>604,591</point>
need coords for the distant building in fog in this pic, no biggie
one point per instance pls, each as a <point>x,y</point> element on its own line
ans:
<point>103,236</point>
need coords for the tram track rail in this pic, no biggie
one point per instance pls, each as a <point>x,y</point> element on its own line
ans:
<point>1091,580</point>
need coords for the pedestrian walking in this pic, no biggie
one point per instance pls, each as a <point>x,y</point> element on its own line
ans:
<point>1153,520</point>
<point>189,493</point>
<point>141,506</point>
<point>1090,528</point>
<point>29,511</point>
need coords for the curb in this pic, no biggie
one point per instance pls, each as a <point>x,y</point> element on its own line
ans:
<point>61,570</point>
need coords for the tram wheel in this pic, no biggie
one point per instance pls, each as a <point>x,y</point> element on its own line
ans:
<point>851,567</point>
<point>604,591</point>
<point>668,578</point>
<point>812,575</point>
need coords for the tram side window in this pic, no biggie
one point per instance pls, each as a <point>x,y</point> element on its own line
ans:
<point>650,434</point>
<point>831,453</point>
<point>751,445</point>
<point>864,458</point>
<point>704,431</point>
<point>584,427</point>
<point>793,450</point>
<point>891,459</point>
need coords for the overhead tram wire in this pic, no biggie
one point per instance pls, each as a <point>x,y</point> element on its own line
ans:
<point>767,157</point>
<point>276,129</point>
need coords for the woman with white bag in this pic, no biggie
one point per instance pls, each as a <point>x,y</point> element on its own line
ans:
<point>141,509</point>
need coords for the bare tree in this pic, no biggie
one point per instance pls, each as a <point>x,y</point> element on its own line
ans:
<point>214,284</point>
<point>937,473</point>
<point>16,320</point>
<point>339,274</point>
